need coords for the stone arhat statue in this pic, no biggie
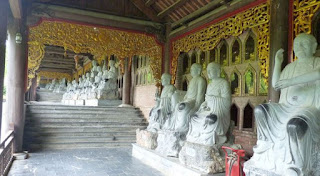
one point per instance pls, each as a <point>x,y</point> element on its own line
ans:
<point>288,132</point>
<point>163,109</point>
<point>179,121</point>
<point>211,122</point>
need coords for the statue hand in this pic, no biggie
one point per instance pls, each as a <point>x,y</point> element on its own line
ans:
<point>283,84</point>
<point>279,56</point>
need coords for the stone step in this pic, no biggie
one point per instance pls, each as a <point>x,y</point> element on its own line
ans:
<point>33,119</point>
<point>80,134</point>
<point>35,147</point>
<point>69,107</point>
<point>85,124</point>
<point>79,139</point>
<point>85,114</point>
<point>83,129</point>
<point>82,112</point>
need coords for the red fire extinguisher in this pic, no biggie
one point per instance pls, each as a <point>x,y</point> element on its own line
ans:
<point>234,161</point>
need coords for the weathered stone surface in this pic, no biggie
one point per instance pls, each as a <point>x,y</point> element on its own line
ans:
<point>204,158</point>
<point>146,139</point>
<point>169,143</point>
<point>251,170</point>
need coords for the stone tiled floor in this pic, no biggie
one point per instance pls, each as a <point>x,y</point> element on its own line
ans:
<point>82,162</point>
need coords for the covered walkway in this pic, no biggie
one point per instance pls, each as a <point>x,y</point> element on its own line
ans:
<point>88,162</point>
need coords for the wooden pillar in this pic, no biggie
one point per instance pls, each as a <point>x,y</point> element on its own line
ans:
<point>126,83</point>
<point>279,27</point>
<point>16,81</point>
<point>167,46</point>
<point>3,37</point>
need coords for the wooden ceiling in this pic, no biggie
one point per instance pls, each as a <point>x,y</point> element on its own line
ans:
<point>176,12</point>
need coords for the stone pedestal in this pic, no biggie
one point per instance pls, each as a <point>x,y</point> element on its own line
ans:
<point>96,102</point>
<point>251,170</point>
<point>208,159</point>
<point>167,165</point>
<point>79,102</point>
<point>169,143</point>
<point>146,139</point>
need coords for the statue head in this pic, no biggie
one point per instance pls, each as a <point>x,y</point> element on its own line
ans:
<point>213,70</point>
<point>111,63</point>
<point>80,79</point>
<point>92,75</point>
<point>196,69</point>
<point>94,63</point>
<point>83,77</point>
<point>53,81</point>
<point>100,74</point>
<point>165,79</point>
<point>87,75</point>
<point>304,45</point>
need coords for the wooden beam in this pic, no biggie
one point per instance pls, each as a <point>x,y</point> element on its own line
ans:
<point>59,66</point>
<point>171,8</point>
<point>150,2</point>
<point>146,10</point>
<point>197,12</point>
<point>16,8</point>
<point>55,70</point>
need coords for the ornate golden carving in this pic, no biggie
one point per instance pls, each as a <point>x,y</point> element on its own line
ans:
<point>54,75</point>
<point>95,40</point>
<point>303,12</point>
<point>256,19</point>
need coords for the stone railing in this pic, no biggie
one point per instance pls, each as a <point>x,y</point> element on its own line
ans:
<point>6,151</point>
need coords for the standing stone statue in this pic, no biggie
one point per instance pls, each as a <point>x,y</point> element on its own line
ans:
<point>173,134</point>
<point>288,132</point>
<point>163,109</point>
<point>211,122</point>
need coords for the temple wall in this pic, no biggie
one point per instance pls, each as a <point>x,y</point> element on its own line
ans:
<point>143,98</point>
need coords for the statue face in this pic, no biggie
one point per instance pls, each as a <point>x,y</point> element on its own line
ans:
<point>304,47</point>
<point>111,63</point>
<point>213,72</point>
<point>165,80</point>
<point>194,71</point>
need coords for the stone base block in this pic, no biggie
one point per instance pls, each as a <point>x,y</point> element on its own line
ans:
<point>79,102</point>
<point>69,102</point>
<point>96,102</point>
<point>146,139</point>
<point>208,159</point>
<point>251,170</point>
<point>168,166</point>
<point>169,143</point>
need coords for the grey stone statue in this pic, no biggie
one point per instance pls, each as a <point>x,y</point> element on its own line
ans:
<point>211,122</point>
<point>163,109</point>
<point>53,85</point>
<point>179,122</point>
<point>289,131</point>
<point>108,89</point>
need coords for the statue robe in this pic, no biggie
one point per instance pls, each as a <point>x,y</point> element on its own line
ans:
<point>275,149</point>
<point>218,101</point>
<point>160,113</point>
<point>179,121</point>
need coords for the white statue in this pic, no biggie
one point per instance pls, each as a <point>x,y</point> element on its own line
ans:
<point>179,122</point>
<point>288,132</point>
<point>211,122</point>
<point>53,85</point>
<point>95,68</point>
<point>108,89</point>
<point>86,87</point>
<point>61,86</point>
<point>163,109</point>
<point>94,87</point>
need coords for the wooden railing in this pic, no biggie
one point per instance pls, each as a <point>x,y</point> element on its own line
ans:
<point>6,151</point>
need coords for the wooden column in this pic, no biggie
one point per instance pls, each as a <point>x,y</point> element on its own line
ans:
<point>3,37</point>
<point>279,27</point>
<point>167,46</point>
<point>16,81</point>
<point>126,83</point>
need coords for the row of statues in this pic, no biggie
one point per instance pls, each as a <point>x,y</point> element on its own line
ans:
<point>202,115</point>
<point>100,83</point>
<point>288,132</point>
<point>57,87</point>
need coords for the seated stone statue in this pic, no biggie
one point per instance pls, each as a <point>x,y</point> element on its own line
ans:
<point>108,89</point>
<point>163,109</point>
<point>288,132</point>
<point>53,85</point>
<point>95,68</point>
<point>66,95</point>
<point>85,89</point>
<point>179,122</point>
<point>61,88</point>
<point>94,87</point>
<point>211,122</point>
